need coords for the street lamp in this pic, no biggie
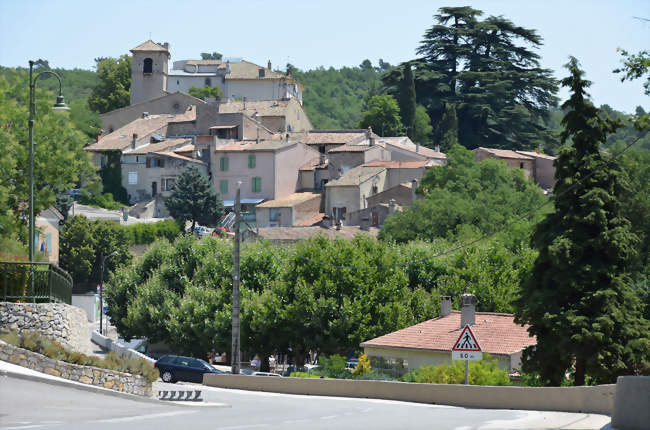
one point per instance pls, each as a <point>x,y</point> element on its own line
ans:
<point>101,290</point>
<point>59,105</point>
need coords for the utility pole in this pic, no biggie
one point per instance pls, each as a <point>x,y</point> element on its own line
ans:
<point>101,290</point>
<point>235,359</point>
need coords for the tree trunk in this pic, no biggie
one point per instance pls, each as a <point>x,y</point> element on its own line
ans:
<point>193,225</point>
<point>579,377</point>
<point>265,366</point>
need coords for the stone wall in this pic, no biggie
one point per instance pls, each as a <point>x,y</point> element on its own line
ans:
<point>63,323</point>
<point>111,379</point>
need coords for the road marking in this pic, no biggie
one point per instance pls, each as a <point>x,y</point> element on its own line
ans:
<point>145,417</point>
<point>23,427</point>
<point>245,426</point>
<point>329,417</point>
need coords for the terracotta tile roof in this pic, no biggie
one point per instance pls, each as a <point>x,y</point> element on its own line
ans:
<point>121,138</point>
<point>405,143</point>
<point>188,115</point>
<point>356,176</point>
<point>314,164</point>
<point>537,155</point>
<point>180,157</point>
<point>398,164</point>
<point>504,153</point>
<point>264,145</point>
<point>331,137</point>
<point>311,221</point>
<point>496,333</point>
<point>351,148</point>
<point>289,201</point>
<point>247,70</point>
<point>186,148</point>
<point>262,107</point>
<point>165,145</point>
<point>149,46</point>
<point>294,234</point>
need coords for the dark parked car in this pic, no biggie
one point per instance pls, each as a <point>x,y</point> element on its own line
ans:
<point>174,368</point>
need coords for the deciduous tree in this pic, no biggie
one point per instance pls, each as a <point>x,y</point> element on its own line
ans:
<point>114,88</point>
<point>383,116</point>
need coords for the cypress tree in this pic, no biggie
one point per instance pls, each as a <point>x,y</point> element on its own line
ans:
<point>407,101</point>
<point>578,299</point>
<point>448,128</point>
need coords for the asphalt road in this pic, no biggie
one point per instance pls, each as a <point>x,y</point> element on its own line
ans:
<point>35,405</point>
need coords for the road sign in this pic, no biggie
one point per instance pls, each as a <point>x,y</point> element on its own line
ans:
<point>467,346</point>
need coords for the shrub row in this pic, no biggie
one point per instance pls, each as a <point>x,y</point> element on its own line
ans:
<point>33,341</point>
<point>145,233</point>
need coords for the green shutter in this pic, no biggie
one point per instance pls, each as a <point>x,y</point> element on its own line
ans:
<point>251,161</point>
<point>223,164</point>
<point>257,185</point>
<point>223,186</point>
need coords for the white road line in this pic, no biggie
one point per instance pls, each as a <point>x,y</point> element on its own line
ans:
<point>23,427</point>
<point>145,417</point>
<point>245,426</point>
<point>329,417</point>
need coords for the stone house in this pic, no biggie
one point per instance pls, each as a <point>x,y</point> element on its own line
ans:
<point>543,168</point>
<point>513,159</point>
<point>430,342</point>
<point>267,170</point>
<point>325,140</point>
<point>401,148</point>
<point>46,233</point>
<point>289,211</point>
<point>279,116</point>
<point>349,192</point>
<point>151,76</point>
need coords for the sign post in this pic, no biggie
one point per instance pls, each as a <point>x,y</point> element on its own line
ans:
<point>466,348</point>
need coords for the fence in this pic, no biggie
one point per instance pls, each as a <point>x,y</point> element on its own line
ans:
<point>34,282</point>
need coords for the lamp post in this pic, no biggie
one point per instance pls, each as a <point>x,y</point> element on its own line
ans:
<point>101,291</point>
<point>59,105</point>
<point>235,353</point>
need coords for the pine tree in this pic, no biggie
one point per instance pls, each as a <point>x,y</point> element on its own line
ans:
<point>448,129</point>
<point>193,199</point>
<point>407,101</point>
<point>578,299</point>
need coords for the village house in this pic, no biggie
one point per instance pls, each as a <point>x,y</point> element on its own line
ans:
<point>152,78</point>
<point>535,165</point>
<point>430,342</point>
<point>279,116</point>
<point>543,168</point>
<point>46,235</point>
<point>293,210</point>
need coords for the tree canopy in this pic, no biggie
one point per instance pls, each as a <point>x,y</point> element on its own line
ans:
<point>383,116</point>
<point>113,90</point>
<point>578,298</point>
<point>487,69</point>
<point>193,199</point>
<point>205,92</point>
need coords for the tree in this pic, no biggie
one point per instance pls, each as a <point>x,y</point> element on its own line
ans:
<point>407,101</point>
<point>213,56</point>
<point>114,88</point>
<point>422,130</point>
<point>578,300</point>
<point>635,66</point>
<point>193,199</point>
<point>465,198</point>
<point>205,92</point>
<point>60,162</point>
<point>63,204</point>
<point>447,130</point>
<point>487,69</point>
<point>383,116</point>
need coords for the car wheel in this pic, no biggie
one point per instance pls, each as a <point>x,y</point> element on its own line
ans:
<point>167,376</point>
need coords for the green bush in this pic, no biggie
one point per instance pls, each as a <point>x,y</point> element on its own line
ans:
<point>484,372</point>
<point>333,367</point>
<point>145,233</point>
<point>104,200</point>
<point>33,341</point>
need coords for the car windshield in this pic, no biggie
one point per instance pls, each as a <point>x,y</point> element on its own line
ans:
<point>208,365</point>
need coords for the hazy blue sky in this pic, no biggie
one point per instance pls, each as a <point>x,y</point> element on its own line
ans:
<point>310,34</point>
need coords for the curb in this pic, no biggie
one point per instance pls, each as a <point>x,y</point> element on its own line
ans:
<point>79,386</point>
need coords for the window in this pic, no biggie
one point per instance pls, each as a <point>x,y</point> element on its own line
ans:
<point>168,184</point>
<point>521,165</point>
<point>223,186</point>
<point>148,66</point>
<point>257,185</point>
<point>133,178</point>
<point>321,149</point>
<point>223,164</point>
<point>251,161</point>
<point>274,214</point>
<point>374,190</point>
<point>208,82</point>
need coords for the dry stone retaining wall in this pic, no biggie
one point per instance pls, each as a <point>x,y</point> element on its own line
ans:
<point>111,379</point>
<point>61,322</point>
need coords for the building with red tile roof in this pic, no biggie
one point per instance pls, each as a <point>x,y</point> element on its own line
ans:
<point>430,342</point>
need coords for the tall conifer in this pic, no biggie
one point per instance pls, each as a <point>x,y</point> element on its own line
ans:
<point>578,299</point>
<point>407,101</point>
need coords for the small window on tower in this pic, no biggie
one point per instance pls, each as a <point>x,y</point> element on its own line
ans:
<point>148,66</point>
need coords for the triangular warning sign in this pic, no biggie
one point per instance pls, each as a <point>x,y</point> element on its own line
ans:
<point>466,341</point>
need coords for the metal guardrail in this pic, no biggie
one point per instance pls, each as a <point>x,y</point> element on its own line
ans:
<point>34,282</point>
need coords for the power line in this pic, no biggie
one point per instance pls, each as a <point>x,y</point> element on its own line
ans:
<point>504,227</point>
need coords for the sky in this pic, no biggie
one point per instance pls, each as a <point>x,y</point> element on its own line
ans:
<point>314,33</point>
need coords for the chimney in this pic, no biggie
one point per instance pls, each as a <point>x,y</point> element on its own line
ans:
<point>145,114</point>
<point>468,310</point>
<point>135,138</point>
<point>417,147</point>
<point>165,45</point>
<point>371,140</point>
<point>391,206</point>
<point>269,65</point>
<point>244,99</point>
<point>365,222</point>
<point>445,306</point>
<point>437,148</point>
<point>414,185</point>
<point>228,67</point>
